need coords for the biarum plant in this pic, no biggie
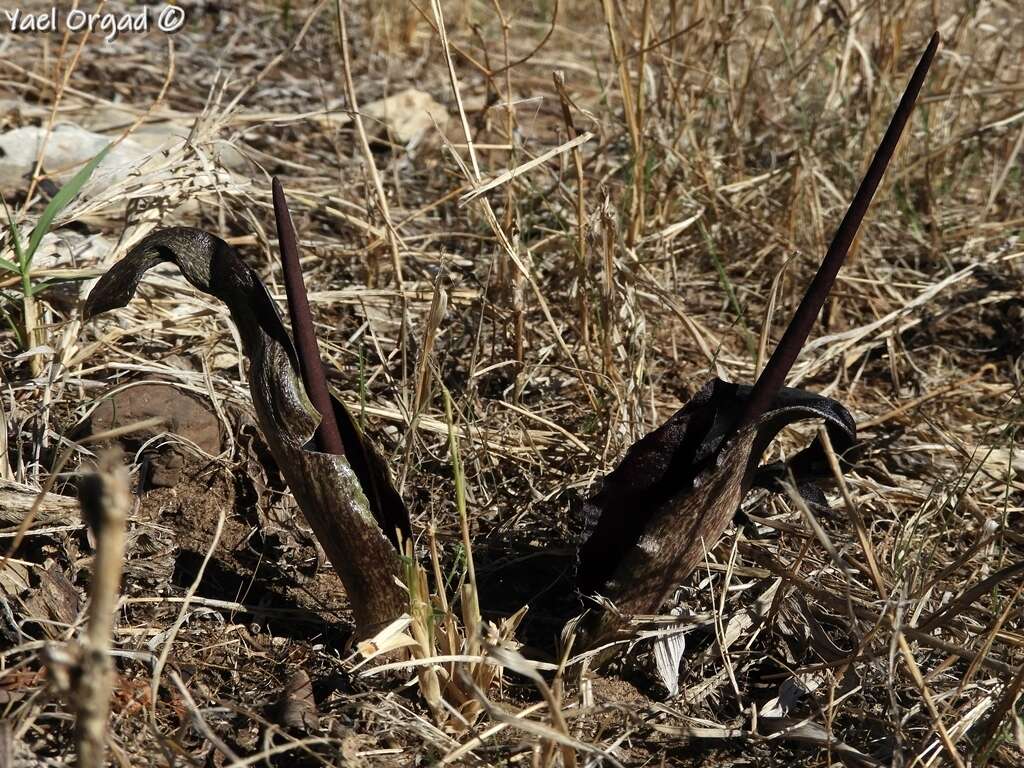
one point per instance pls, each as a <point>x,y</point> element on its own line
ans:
<point>25,253</point>
<point>346,496</point>
<point>671,497</point>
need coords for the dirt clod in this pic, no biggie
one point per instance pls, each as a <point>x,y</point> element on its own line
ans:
<point>186,416</point>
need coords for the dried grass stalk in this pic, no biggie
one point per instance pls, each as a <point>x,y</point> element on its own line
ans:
<point>105,502</point>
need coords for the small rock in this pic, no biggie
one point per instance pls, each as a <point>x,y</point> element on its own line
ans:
<point>158,135</point>
<point>67,148</point>
<point>70,146</point>
<point>187,416</point>
<point>68,248</point>
<point>408,114</point>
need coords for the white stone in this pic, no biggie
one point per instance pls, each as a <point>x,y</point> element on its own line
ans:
<point>408,114</point>
<point>66,149</point>
<point>157,134</point>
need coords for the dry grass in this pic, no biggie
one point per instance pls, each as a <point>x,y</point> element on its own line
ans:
<point>588,295</point>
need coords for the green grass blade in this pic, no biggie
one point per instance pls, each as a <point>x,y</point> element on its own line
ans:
<point>19,254</point>
<point>4,300</point>
<point>59,202</point>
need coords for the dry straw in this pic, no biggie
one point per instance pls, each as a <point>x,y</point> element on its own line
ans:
<point>587,297</point>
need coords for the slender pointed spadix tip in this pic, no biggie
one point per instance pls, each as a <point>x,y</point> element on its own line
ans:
<point>327,436</point>
<point>280,201</point>
<point>773,376</point>
<point>929,53</point>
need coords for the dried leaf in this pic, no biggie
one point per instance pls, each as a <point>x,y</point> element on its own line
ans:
<point>348,501</point>
<point>296,705</point>
<point>809,732</point>
<point>668,652</point>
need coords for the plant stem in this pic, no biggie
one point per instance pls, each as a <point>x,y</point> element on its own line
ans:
<point>105,502</point>
<point>364,144</point>
<point>327,437</point>
<point>471,613</point>
<point>30,315</point>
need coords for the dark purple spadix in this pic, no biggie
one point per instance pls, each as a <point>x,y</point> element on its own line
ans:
<point>772,378</point>
<point>327,437</point>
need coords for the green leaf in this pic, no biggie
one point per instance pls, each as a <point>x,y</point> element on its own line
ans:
<point>34,289</point>
<point>60,201</point>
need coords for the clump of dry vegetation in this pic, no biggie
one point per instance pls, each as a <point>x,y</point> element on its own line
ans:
<point>529,232</point>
